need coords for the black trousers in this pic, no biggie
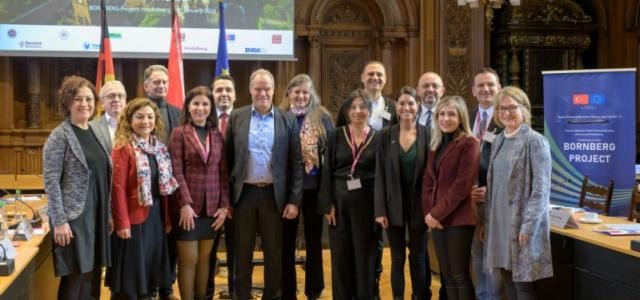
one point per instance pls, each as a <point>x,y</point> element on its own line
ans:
<point>80,286</point>
<point>256,212</point>
<point>453,247</point>
<point>353,245</point>
<point>314,276</point>
<point>418,260</point>
<point>518,290</point>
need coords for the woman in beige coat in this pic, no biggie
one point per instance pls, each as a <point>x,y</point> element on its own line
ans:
<point>517,210</point>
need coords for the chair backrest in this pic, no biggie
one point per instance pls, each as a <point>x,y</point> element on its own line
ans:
<point>602,192</point>
<point>634,210</point>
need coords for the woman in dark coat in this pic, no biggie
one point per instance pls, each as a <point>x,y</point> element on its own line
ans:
<point>446,194</point>
<point>314,124</point>
<point>400,164</point>
<point>346,197</point>
<point>77,179</point>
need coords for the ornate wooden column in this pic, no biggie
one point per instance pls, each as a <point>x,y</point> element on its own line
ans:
<point>33,103</point>
<point>315,55</point>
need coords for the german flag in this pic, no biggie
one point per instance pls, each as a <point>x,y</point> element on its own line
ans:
<point>105,59</point>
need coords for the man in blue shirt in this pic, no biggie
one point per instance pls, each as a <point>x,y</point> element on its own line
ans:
<point>266,168</point>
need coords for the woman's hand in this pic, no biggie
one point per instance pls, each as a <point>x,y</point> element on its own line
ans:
<point>186,217</point>
<point>478,194</point>
<point>331,216</point>
<point>432,223</point>
<point>383,221</point>
<point>62,234</point>
<point>124,233</point>
<point>523,239</point>
<point>218,218</point>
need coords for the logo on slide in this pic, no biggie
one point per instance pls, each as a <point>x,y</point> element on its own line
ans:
<point>598,99</point>
<point>12,33</point>
<point>580,99</point>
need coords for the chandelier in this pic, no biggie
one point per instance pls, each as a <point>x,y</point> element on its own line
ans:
<point>489,3</point>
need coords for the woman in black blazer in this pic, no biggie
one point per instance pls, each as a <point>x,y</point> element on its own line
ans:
<point>400,163</point>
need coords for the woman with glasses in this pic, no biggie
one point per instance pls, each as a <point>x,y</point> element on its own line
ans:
<point>517,209</point>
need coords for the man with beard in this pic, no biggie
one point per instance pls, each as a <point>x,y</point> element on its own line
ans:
<point>430,89</point>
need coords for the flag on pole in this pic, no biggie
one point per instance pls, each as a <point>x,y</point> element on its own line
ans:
<point>222,58</point>
<point>175,93</point>
<point>105,59</point>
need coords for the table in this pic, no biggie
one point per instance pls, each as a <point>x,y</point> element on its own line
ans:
<point>592,265</point>
<point>26,183</point>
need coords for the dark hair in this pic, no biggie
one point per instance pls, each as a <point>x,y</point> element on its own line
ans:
<point>223,77</point>
<point>484,71</point>
<point>343,114</point>
<point>68,90</point>
<point>407,90</point>
<point>201,90</point>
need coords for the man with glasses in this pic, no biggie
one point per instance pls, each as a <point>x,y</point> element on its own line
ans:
<point>113,98</point>
<point>430,89</point>
<point>486,84</point>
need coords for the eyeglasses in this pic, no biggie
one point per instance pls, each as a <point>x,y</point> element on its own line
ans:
<point>511,109</point>
<point>431,85</point>
<point>112,96</point>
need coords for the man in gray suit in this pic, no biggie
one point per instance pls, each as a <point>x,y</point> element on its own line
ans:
<point>265,161</point>
<point>113,98</point>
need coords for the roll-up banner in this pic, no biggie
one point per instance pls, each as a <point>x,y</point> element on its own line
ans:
<point>589,120</point>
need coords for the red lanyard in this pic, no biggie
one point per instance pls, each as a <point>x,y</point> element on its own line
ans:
<point>205,149</point>
<point>357,154</point>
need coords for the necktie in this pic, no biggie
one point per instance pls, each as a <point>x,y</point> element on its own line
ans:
<point>428,123</point>
<point>224,117</point>
<point>483,125</point>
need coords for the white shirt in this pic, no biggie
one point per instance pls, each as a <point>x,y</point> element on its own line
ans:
<point>422,119</point>
<point>113,125</point>
<point>478,119</point>
<point>228,111</point>
<point>375,120</point>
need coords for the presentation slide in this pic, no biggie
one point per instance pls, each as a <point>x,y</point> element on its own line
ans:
<point>255,29</point>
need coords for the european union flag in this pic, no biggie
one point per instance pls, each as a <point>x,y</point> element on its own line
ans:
<point>222,58</point>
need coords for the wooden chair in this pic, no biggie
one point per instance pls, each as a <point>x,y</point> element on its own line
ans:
<point>634,207</point>
<point>603,192</point>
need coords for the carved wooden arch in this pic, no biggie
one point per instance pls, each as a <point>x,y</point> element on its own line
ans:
<point>343,35</point>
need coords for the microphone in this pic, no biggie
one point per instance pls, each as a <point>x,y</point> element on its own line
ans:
<point>36,220</point>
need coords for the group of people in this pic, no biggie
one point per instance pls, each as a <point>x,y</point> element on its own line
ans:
<point>146,189</point>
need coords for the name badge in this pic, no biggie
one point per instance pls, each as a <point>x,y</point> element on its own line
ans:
<point>354,184</point>
<point>385,115</point>
<point>489,137</point>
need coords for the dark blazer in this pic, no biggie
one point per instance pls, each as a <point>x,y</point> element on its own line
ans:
<point>446,189</point>
<point>342,119</point>
<point>388,193</point>
<point>124,191</point>
<point>286,160</point>
<point>101,127</point>
<point>203,181</point>
<point>173,119</point>
<point>485,148</point>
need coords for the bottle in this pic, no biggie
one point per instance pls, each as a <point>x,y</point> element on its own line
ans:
<point>4,223</point>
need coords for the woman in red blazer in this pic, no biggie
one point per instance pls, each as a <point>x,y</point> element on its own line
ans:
<point>451,170</point>
<point>142,180</point>
<point>202,201</point>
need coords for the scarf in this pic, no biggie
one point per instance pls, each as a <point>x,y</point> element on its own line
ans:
<point>309,145</point>
<point>167,183</point>
<point>298,112</point>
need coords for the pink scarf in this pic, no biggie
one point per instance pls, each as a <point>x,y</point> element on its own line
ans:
<point>167,183</point>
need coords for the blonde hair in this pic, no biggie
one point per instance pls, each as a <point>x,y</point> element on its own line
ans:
<point>464,129</point>
<point>315,109</point>
<point>124,130</point>
<point>518,96</point>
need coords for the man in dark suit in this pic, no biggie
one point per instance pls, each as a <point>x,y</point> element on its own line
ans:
<point>155,84</point>
<point>224,95</point>
<point>486,84</point>
<point>264,156</point>
<point>113,98</point>
<point>430,89</point>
